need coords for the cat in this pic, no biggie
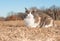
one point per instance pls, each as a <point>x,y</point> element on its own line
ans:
<point>37,19</point>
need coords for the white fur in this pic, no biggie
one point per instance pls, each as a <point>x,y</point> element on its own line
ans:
<point>49,25</point>
<point>30,21</point>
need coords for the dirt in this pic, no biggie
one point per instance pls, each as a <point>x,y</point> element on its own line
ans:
<point>17,31</point>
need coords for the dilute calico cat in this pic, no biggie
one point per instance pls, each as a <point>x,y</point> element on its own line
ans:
<point>37,19</point>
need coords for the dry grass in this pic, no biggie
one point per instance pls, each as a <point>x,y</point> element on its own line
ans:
<point>16,31</point>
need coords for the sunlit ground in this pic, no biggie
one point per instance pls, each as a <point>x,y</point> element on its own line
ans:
<point>17,31</point>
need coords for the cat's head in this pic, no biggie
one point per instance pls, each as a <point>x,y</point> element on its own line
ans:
<point>33,14</point>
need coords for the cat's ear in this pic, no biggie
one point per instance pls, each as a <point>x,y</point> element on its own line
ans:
<point>26,10</point>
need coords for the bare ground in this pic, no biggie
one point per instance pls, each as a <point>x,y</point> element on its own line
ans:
<point>16,31</point>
